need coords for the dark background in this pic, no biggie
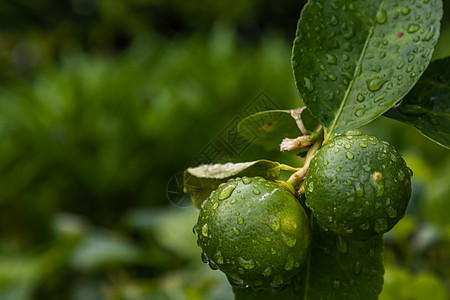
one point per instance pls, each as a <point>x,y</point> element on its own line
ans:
<point>104,103</point>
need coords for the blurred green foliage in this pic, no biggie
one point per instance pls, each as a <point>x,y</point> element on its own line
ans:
<point>103,102</point>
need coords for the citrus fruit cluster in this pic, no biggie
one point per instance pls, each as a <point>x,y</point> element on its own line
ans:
<point>358,186</point>
<point>255,231</point>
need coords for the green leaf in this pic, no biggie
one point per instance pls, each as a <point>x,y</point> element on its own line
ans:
<point>427,106</point>
<point>353,60</point>
<point>268,128</point>
<point>199,182</point>
<point>341,269</point>
<point>337,269</point>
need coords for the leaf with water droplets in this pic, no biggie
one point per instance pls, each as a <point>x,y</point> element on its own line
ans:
<point>337,269</point>
<point>353,60</point>
<point>343,269</point>
<point>268,128</point>
<point>427,106</point>
<point>199,182</point>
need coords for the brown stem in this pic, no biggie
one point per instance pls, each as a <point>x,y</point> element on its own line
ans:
<point>298,177</point>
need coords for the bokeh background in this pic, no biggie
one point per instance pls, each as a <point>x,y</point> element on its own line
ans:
<point>104,102</point>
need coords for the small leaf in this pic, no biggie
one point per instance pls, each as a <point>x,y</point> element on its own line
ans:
<point>427,106</point>
<point>268,128</point>
<point>199,182</point>
<point>353,60</point>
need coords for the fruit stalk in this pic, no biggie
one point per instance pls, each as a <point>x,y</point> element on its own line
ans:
<point>298,177</point>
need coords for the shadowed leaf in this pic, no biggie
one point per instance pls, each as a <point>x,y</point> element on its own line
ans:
<point>427,106</point>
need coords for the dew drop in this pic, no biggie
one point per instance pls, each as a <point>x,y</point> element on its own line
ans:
<point>226,192</point>
<point>375,84</point>
<point>246,180</point>
<point>205,230</point>
<point>392,213</point>
<point>381,16</point>
<point>359,189</point>
<point>195,229</point>
<point>341,245</point>
<point>360,98</point>
<point>240,220</point>
<point>246,264</point>
<point>364,226</point>
<point>381,225</point>
<point>311,186</point>
<point>256,192</point>
<point>325,162</point>
<point>332,77</point>
<point>331,59</point>
<point>380,97</point>
<point>236,231</point>
<point>272,251</point>
<point>333,20</point>
<point>338,169</point>
<point>218,257</point>
<point>406,10</point>
<point>205,258</point>
<point>277,281</point>
<point>363,145</point>
<point>308,84</point>
<point>336,150</point>
<point>430,34</point>
<point>289,263</point>
<point>212,264</point>
<point>336,284</point>
<point>288,240</point>
<point>235,282</point>
<point>349,155</point>
<point>274,223</point>
<point>413,28</point>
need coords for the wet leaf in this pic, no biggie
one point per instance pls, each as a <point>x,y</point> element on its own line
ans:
<point>199,182</point>
<point>338,269</point>
<point>353,60</point>
<point>268,128</point>
<point>427,106</point>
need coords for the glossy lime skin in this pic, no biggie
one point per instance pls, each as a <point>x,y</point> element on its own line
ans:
<point>255,231</point>
<point>358,186</point>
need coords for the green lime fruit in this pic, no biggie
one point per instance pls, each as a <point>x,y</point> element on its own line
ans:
<point>358,186</point>
<point>255,231</point>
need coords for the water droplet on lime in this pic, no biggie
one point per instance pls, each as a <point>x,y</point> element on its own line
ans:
<point>246,180</point>
<point>381,225</point>
<point>236,231</point>
<point>247,264</point>
<point>205,230</point>
<point>289,263</point>
<point>288,240</point>
<point>226,192</point>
